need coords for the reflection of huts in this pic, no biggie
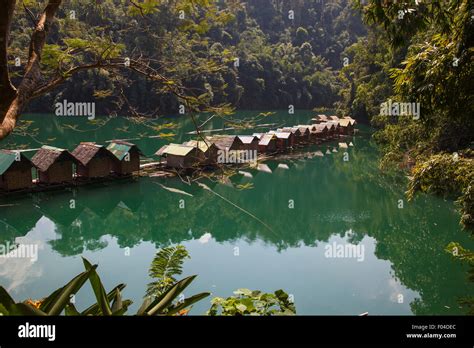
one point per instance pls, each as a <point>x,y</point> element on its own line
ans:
<point>58,208</point>
<point>15,171</point>
<point>17,221</point>
<point>54,165</point>
<point>346,126</point>
<point>209,150</point>
<point>128,157</point>
<point>181,156</point>
<point>249,142</point>
<point>268,143</point>
<point>284,140</point>
<point>95,161</point>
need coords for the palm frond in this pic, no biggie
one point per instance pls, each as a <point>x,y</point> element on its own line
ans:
<point>167,263</point>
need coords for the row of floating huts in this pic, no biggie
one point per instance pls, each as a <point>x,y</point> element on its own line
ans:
<point>59,166</point>
<point>120,158</point>
<point>206,151</point>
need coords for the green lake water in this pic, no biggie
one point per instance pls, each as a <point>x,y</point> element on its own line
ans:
<point>316,203</point>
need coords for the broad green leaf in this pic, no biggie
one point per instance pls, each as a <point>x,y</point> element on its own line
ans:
<point>98,288</point>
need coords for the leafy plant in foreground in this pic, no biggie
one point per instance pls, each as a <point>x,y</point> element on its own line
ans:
<point>107,304</point>
<point>247,302</point>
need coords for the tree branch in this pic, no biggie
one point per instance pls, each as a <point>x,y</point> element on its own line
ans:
<point>7,90</point>
<point>33,70</point>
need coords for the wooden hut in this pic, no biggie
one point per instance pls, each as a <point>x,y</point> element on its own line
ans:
<point>284,140</point>
<point>320,118</point>
<point>181,156</point>
<point>321,132</point>
<point>305,133</point>
<point>226,142</point>
<point>210,150</point>
<point>334,118</point>
<point>15,171</point>
<point>268,143</point>
<point>249,142</point>
<point>331,129</point>
<point>127,155</point>
<point>95,161</point>
<point>54,165</point>
<point>346,126</point>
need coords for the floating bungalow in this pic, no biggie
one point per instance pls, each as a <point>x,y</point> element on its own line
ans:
<point>95,161</point>
<point>321,132</point>
<point>15,171</point>
<point>347,126</point>
<point>305,132</point>
<point>181,156</point>
<point>285,140</point>
<point>210,150</point>
<point>319,119</point>
<point>268,143</point>
<point>54,165</point>
<point>332,129</point>
<point>249,142</point>
<point>226,142</point>
<point>127,155</point>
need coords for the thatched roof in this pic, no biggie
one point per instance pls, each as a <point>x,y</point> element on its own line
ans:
<point>224,142</point>
<point>85,152</point>
<point>48,155</point>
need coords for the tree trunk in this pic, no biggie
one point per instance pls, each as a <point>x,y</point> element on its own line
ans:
<point>31,79</point>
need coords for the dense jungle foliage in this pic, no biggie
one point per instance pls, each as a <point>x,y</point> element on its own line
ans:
<point>255,54</point>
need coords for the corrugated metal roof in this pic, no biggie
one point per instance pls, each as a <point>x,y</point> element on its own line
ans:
<point>246,139</point>
<point>281,135</point>
<point>6,160</point>
<point>266,139</point>
<point>345,122</point>
<point>119,150</point>
<point>203,146</point>
<point>178,150</point>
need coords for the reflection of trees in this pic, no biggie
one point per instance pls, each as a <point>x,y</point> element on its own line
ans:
<point>331,197</point>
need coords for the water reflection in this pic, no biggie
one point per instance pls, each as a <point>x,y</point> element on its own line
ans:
<point>331,197</point>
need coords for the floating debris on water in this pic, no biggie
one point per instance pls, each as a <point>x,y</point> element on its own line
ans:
<point>319,154</point>
<point>171,189</point>
<point>343,145</point>
<point>262,167</point>
<point>246,174</point>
